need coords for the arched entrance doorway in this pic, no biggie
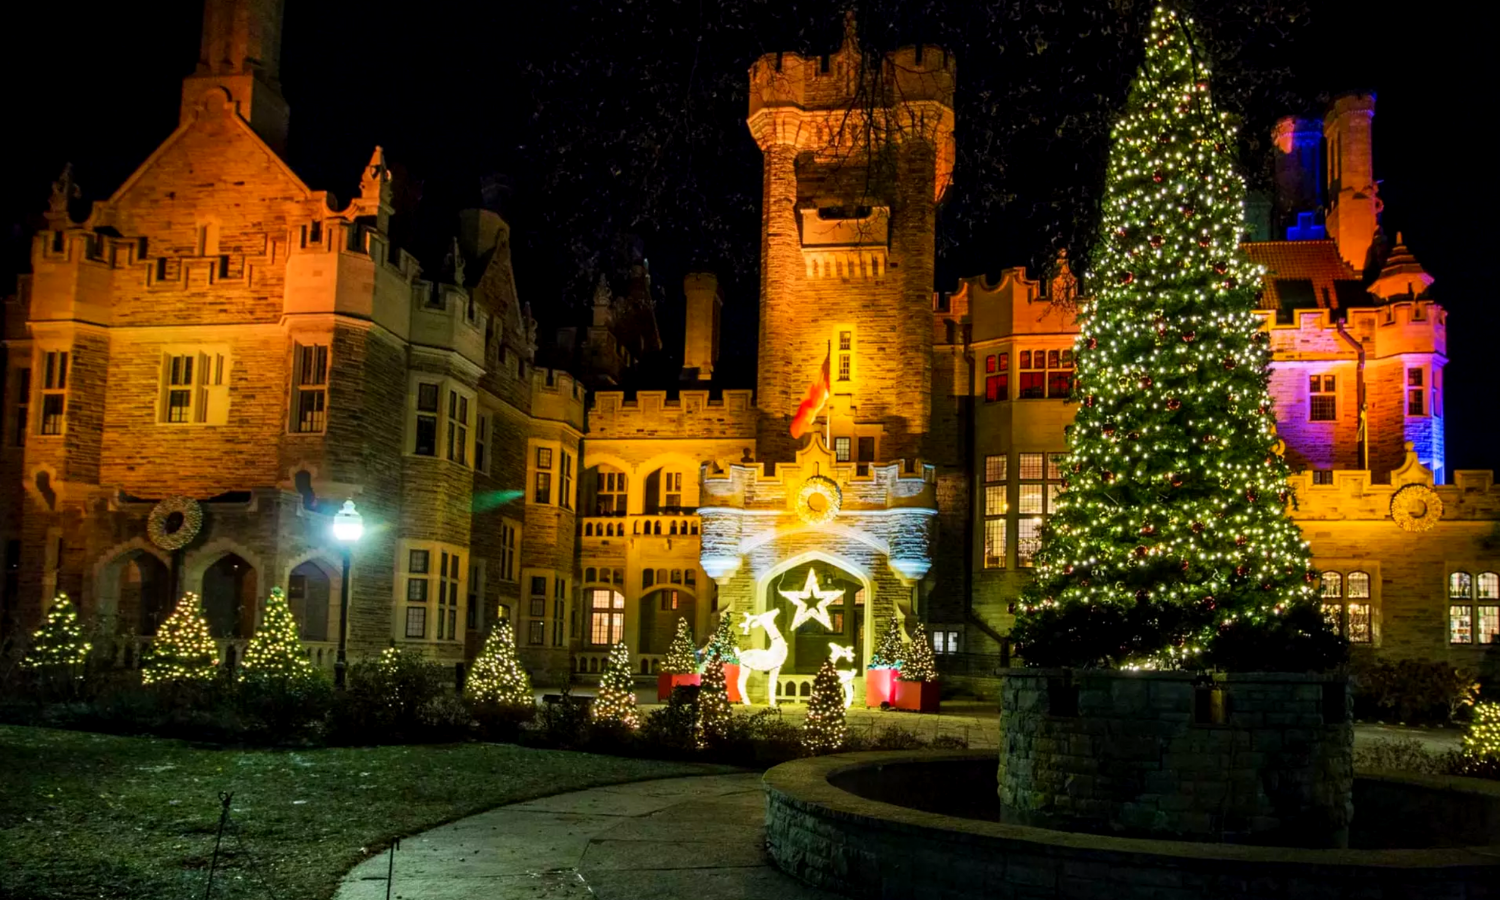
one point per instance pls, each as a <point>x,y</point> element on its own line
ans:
<point>308,592</point>
<point>229,590</point>
<point>817,588</point>
<point>134,595</point>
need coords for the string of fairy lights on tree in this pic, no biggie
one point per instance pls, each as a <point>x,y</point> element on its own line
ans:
<point>275,653</point>
<point>889,650</point>
<point>681,656</point>
<point>918,664</point>
<point>1172,529</point>
<point>722,645</point>
<point>825,730</point>
<point>58,644</point>
<point>615,701</point>
<point>711,724</point>
<point>497,677</point>
<point>183,650</point>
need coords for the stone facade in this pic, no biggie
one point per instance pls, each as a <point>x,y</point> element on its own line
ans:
<point>1264,759</point>
<point>591,508</point>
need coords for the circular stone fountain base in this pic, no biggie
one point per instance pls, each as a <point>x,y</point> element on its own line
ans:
<point>902,824</point>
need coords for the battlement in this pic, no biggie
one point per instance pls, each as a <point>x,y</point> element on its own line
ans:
<point>908,75</point>
<point>691,414</point>
<point>557,395</point>
<point>1390,329</point>
<point>1352,495</point>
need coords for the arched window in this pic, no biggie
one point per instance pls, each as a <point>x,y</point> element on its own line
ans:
<point>1460,608</point>
<point>677,576</point>
<point>1474,608</point>
<point>1487,609</point>
<point>1460,586</point>
<point>1358,626</point>
<point>606,617</point>
<point>610,496</point>
<point>1333,585</point>
<point>648,578</point>
<point>590,575</point>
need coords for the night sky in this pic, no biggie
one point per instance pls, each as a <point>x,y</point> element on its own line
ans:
<point>453,94</point>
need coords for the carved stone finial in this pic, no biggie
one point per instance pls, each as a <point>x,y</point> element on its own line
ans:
<point>456,263</point>
<point>64,191</point>
<point>602,294</point>
<point>851,35</point>
<point>1063,287</point>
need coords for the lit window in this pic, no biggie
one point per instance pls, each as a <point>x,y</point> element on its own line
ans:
<point>606,617</point>
<point>310,392</point>
<point>668,600</point>
<point>1460,608</point>
<point>1322,476</point>
<point>1045,373</point>
<point>995,508</point>
<point>1321,398</point>
<point>997,377</point>
<point>846,357</point>
<point>1028,539</point>
<point>416,622</point>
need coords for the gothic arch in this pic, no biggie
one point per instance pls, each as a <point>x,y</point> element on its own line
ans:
<point>832,528</point>
<point>866,580</point>
<point>197,561</point>
<point>148,600</point>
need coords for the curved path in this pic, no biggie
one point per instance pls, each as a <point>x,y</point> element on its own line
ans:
<point>697,838</point>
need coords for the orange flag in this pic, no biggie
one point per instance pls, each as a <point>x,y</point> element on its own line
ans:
<point>812,404</point>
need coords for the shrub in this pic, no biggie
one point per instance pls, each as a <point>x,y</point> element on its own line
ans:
<point>398,697</point>
<point>1411,691</point>
<point>949,742</point>
<point>565,720</point>
<point>894,737</point>
<point>1404,755</point>
<point>279,710</point>
<point>672,726</point>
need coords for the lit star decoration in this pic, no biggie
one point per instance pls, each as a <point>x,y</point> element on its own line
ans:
<point>1171,539</point>
<point>810,591</point>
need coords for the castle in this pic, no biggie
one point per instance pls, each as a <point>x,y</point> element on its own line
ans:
<point>218,330</point>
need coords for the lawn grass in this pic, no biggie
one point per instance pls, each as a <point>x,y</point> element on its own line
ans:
<point>95,816</point>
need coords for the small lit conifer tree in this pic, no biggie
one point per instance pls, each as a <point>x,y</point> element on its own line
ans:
<point>714,713</point>
<point>722,645</point>
<point>824,730</point>
<point>889,650</point>
<point>58,645</point>
<point>1482,742</point>
<point>680,659</point>
<point>497,677</point>
<point>919,664</point>
<point>275,654</point>
<point>1170,545</point>
<point>615,701</point>
<point>183,651</point>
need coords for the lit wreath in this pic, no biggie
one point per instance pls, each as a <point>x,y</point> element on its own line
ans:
<point>174,522</point>
<point>819,486</point>
<point>1416,507</point>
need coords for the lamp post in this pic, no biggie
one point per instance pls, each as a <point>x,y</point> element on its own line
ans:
<point>348,528</point>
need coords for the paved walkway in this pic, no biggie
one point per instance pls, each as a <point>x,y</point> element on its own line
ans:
<point>697,838</point>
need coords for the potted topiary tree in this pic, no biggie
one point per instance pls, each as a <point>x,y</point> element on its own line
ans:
<point>680,667</point>
<point>884,668</point>
<point>917,687</point>
<point>723,648</point>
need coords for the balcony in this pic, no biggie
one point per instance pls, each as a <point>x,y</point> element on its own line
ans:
<point>664,525</point>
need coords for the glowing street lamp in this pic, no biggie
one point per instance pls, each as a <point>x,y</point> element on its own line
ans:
<point>348,528</point>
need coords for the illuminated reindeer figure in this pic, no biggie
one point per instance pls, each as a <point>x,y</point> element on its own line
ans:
<point>768,660</point>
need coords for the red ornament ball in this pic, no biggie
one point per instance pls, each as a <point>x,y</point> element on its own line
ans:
<point>1147,381</point>
<point>1229,362</point>
<point>1107,477</point>
<point>1309,577</point>
<point>1187,212</point>
<point>1189,336</point>
<point>1176,481</point>
<point>1204,241</point>
<point>1140,552</point>
<point>1155,241</point>
<point>1089,401</point>
<point>1197,527</point>
<point>1173,404</point>
<point>1251,495</point>
<point>1093,344</point>
<point>1240,540</point>
<point>1127,277</point>
<point>1221,267</point>
<point>1242,571</point>
<point>1142,595</point>
<point>1184,565</point>
<point>1158,176</point>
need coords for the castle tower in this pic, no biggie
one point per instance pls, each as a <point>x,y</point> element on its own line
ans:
<point>1298,190</point>
<point>857,153</point>
<point>1354,209</point>
<point>700,344</point>
<point>241,57</point>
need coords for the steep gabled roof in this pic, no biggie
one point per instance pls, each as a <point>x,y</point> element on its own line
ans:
<point>1301,271</point>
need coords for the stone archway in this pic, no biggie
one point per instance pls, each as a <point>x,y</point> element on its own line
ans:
<point>848,610</point>
<point>310,594</point>
<point>133,593</point>
<point>229,592</point>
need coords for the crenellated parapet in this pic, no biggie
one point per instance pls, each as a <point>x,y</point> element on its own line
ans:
<point>689,414</point>
<point>1390,329</point>
<point>1353,496</point>
<point>557,396</point>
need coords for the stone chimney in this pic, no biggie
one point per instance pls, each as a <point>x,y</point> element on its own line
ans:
<point>700,343</point>
<point>240,59</point>
<point>1354,210</point>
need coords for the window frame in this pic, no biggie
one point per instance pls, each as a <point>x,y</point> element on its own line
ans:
<point>1045,373</point>
<point>611,616</point>
<point>431,576</point>
<point>447,415</point>
<point>21,420</point>
<point>1322,386</point>
<point>997,377</point>
<point>996,525</point>
<point>1473,595</point>
<point>1416,390</point>
<point>206,384</point>
<point>844,371</point>
<point>303,388</point>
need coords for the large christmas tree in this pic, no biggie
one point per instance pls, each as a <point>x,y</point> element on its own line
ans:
<point>497,676</point>
<point>183,650</point>
<point>824,730</point>
<point>615,701</point>
<point>1171,546</point>
<point>58,644</point>
<point>275,653</point>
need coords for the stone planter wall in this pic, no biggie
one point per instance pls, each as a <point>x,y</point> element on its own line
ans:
<point>1250,758</point>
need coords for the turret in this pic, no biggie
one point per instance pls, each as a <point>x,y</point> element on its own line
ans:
<point>1298,189</point>
<point>1402,275</point>
<point>700,344</point>
<point>1354,209</point>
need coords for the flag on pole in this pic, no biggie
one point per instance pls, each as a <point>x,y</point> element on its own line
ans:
<point>812,404</point>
